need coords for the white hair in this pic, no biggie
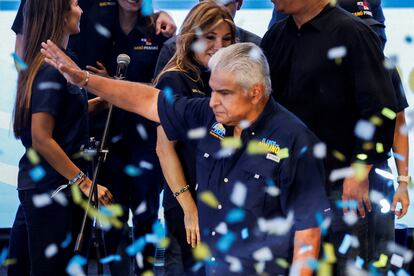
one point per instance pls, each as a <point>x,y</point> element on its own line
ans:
<point>246,62</point>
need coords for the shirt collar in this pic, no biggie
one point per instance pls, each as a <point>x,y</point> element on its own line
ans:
<point>263,119</point>
<point>317,22</point>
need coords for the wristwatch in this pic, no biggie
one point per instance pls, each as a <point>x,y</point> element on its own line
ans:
<point>404,178</point>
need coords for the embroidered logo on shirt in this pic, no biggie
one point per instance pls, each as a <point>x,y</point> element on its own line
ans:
<point>218,131</point>
<point>363,9</point>
<point>271,145</point>
<point>273,157</point>
<point>146,44</point>
<point>107,4</point>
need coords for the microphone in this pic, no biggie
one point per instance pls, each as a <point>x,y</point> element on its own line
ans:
<point>123,61</point>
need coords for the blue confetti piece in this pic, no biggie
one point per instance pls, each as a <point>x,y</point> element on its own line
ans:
<point>398,156</point>
<point>390,273</point>
<point>320,222</point>
<point>37,173</point>
<point>67,241</point>
<point>136,246</point>
<point>3,255</point>
<point>151,238</point>
<point>359,262</point>
<point>409,39</point>
<point>270,182</point>
<point>76,260</point>
<point>105,211</point>
<point>110,258</point>
<point>146,8</point>
<point>313,264</point>
<point>132,171</point>
<point>235,215</point>
<point>168,94</point>
<point>19,63</point>
<point>346,243</point>
<point>244,233</point>
<point>303,150</point>
<point>225,242</point>
<point>402,272</point>
<point>350,204</point>
<point>197,266</point>
<point>158,229</point>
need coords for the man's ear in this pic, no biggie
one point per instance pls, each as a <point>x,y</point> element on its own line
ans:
<point>257,92</point>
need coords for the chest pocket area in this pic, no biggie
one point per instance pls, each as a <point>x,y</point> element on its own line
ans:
<point>204,163</point>
<point>256,175</point>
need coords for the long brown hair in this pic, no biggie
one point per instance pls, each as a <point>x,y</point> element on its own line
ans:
<point>204,16</point>
<point>43,20</point>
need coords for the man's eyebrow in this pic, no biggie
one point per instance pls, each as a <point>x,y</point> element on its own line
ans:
<point>223,90</point>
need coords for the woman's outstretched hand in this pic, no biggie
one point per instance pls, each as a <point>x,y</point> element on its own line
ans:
<point>58,59</point>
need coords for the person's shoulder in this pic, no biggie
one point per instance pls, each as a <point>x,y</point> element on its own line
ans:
<point>277,29</point>
<point>49,76</point>
<point>345,22</point>
<point>247,36</point>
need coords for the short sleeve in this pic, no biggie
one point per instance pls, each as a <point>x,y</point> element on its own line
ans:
<point>166,53</point>
<point>173,81</point>
<point>399,91</point>
<point>303,180</point>
<point>17,26</point>
<point>48,91</point>
<point>179,114</point>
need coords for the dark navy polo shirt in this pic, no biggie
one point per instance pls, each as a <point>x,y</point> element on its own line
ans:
<point>68,105</point>
<point>142,45</point>
<point>330,95</point>
<point>300,178</point>
<point>184,84</point>
<point>168,50</point>
<point>399,91</point>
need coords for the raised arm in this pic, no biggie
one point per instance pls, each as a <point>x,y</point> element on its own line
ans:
<point>131,96</point>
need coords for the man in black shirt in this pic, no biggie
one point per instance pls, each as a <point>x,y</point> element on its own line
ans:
<point>327,68</point>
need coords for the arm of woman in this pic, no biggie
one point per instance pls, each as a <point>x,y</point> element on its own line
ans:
<point>96,105</point>
<point>400,146</point>
<point>42,140</point>
<point>174,175</point>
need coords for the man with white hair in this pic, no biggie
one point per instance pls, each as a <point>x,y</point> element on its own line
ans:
<point>259,186</point>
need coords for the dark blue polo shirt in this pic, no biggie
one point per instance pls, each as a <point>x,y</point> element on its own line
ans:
<point>185,84</point>
<point>68,105</point>
<point>142,45</point>
<point>300,178</point>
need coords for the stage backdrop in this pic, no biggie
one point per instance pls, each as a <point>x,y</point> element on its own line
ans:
<point>254,16</point>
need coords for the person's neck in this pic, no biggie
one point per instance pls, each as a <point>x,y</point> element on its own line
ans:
<point>127,20</point>
<point>65,41</point>
<point>251,117</point>
<point>309,12</point>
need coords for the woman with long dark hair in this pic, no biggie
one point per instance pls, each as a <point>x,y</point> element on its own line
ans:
<point>207,28</point>
<point>50,118</point>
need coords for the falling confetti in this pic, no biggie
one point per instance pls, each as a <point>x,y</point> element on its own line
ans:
<point>345,245</point>
<point>19,63</point>
<point>146,8</point>
<point>329,253</point>
<point>408,39</point>
<point>277,226</point>
<point>397,260</point>
<point>379,147</point>
<point>319,150</point>
<point>255,54</point>
<point>142,132</point>
<point>67,241</point>
<point>136,247</point>
<point>49,86</point>
<point>411,80</point>
<point>110,258</point>
<point>132,171</point>
<point>238,196</point>
<point>263,254</point>
<point>168,94</point>
<point>245,233</point>
<point>201,252</point>
<point>364,130</point>
<point>350,218</point>
<point>51,250</point>
<point>142,208</point>
<point>33,156</point>
<point>221,228</point>
<point>209,199</point>
<point>337,53</point>
<point>102,30</point>
<point>146,165</point>
<point>235,215</point>
<point>74,267</point>
<point>388,113</point>
<point>341,173</point>
<point>37,173</point>
<point>256,147</point>
<point>235,263</point>
<point>61,199</point>
<point>382,261</point>
<point>231,143</point>
<point>41,200</point>
<point>225,242</point>
<point>199,46</point>
<point>385,174</point>
<point>197,133</point>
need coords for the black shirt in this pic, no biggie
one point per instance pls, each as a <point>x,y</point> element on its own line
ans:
<point>185,84</point>
<point>331,95</point>
<point>168,50</point>
<point>300,178</point>
<point>69,107</point>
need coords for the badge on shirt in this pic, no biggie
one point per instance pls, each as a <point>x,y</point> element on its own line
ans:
<point>107,3</point>
<point>273,157</point>
<point>146,44</point>
<point>218,131</point>
<point>271,145</point>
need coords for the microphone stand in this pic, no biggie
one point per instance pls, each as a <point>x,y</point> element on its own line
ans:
<point>101,154</point>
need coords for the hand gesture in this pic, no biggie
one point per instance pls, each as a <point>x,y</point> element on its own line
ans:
<point>401,195</point>
<point>165,25</point>
<point>100,70</point>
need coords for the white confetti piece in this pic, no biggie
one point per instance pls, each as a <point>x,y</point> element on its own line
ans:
<point>273,191</point>
<point>277,226</point>
<point>400,250</point>
<point>337,52</point>
<point>385,206</point>
<point>397,260</point>
<point>142,208</point>
<point>146,165</point>
<point>199,46</point>
<point>391,62</point>
<point>51,250</point>
<point>385,174</point>
<point>102,30</point>
<point>375,196</point>
<point>47,85</point>
<point>235,263</point>
<point>255,54</point>
<point>41,200</point>
<point>263,254</point>
<point>305,248</point>
<point>244,124</point>
<point>61,199</point>
<point>197,133</point>
<point>319,150</point>
<point>364,130</point>
<point>341,173</point>
<point>221,228</point>
<point>140,260</point>
<point>142,132</point>
<point>350,218</point>
<point>238,196</point>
